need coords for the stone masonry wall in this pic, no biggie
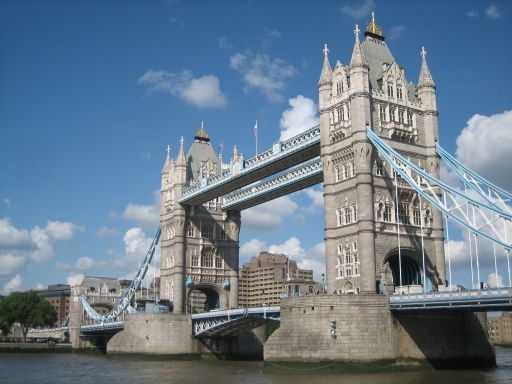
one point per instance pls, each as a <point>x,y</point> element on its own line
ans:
<point>364,329</point>
<point>165,333</point>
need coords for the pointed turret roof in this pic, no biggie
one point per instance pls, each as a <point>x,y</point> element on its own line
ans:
<point>358,57</point>
<point>181,160</point>
<point>326,75</point>
<point>168,160</point>
<point>425,78</point>
<point>201,134</point>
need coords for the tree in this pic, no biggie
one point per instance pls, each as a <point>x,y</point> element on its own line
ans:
<point>28,309</point>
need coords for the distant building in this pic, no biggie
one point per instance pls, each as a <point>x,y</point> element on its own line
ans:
<point>58,296</point>
<point>268,277</point>
<point>500,328</point>
<point>101,292</point>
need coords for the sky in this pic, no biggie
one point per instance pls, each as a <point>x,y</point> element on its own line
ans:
<point>92,92</point>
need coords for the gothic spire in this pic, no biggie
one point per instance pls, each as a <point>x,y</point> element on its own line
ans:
<point>181,154</point>
<point>425,76</point>
<point>168,160</point>
<point>358,57</point>
<point>326,75</point>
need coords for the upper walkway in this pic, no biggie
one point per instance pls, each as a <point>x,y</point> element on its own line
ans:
<point>281,156</point>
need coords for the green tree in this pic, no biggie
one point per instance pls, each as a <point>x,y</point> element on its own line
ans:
<point>28,309</point>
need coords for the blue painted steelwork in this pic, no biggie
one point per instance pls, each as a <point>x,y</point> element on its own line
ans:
<point>123,304</point>
<point>476,182</point>
<point>405,168</point>
<point>261,165</point>
<point>113,326</point>
<point>221,323</point>
<point>491,299</point>
<point>302,176</point>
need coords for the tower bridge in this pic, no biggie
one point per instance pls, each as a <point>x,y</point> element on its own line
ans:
<point>376,152</point>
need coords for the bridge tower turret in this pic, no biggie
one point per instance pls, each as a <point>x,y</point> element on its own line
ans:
<point>199,244</point>
<point>365,206</point>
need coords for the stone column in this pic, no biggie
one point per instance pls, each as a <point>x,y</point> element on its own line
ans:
<point>179,249</point>
<point>232,273</point>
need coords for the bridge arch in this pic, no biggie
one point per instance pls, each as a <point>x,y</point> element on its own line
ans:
<point>412,273</point>
<point>204,297</point>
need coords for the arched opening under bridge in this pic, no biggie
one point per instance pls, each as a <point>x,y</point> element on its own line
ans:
<point>202,299</point>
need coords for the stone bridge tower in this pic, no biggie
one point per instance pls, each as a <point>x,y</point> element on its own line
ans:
<point>199,245</point>
<point>361,209</point>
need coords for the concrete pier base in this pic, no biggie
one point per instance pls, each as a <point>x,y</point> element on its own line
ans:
<point>163,333</point>
<point>360,328</point>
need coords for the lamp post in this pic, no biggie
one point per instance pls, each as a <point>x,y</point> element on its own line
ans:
<point>322,287</point>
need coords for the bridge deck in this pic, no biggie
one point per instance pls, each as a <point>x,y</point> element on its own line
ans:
<point>493,299</point>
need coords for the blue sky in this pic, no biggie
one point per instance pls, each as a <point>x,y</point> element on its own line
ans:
<point>91,93</point>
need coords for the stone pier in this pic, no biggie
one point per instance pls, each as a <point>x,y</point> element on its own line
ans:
<point>360,328</point>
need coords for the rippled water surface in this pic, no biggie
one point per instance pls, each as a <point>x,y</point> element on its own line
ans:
<point>95,368</point>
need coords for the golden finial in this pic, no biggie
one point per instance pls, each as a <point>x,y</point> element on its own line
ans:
<point>373,28</point>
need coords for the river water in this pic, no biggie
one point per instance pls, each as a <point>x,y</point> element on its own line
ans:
<point>74,368</point>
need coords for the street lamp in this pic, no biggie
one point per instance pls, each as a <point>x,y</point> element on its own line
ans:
<point>323,285</point>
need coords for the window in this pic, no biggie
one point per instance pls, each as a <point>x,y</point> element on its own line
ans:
<point>207,231</point>
<point>191,231</point>
<point>341,114</point>
<point>337,173</point>
<point>348,215</point>
<point>355,212</point>
<point>403,213</point>
<point>352,168</point>
<point>379,168</point>
<point>339,217</point>
<point>401,116</point>
<point>382,113</point>
<point>388,213</point>
<point>348,81</point>
<point>339,87</point>
<point>409,119</point>
<point>348,111</point>
<point>218,262</point>
<point>346,172</point>
<point>416,215</point>
<point>195,259</point>
<point>399,92</point>
<point>207,259</point>
<point>390,89</point>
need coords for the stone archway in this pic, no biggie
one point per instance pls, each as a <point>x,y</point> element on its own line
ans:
<point>203,298</point>
<point>411,272</point>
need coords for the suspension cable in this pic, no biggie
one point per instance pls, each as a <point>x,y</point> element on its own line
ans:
<point>508,254</point>
<point>398,231</point>
<point>476,250</point>
<point>422,248</point>
<point>448,246</point>
<point>470,246</point>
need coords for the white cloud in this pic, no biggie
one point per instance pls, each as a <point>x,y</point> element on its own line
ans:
<point>12,262</point>
<point>472,14</point>
<point>40,286</point>
<point>75,279</point>
<point>136,245</point>
<point>301,116</point>
<point>252,248</point>
<point>203,91</point>
<point>147,216</point>
<point>495,281</point>
<point>266,74</point>
<point>270,215</point>
<point>357,12</point>
<point>59,230</point>
<point>492,12</point>
<point>316,196</point>
<point>12,285</point>
<point>272,33</point>
<point>484,146</point>
<point>107,232</point>
<point>18,246</point>
<point>396,31</point>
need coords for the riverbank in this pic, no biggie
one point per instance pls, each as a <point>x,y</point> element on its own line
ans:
<point>35,348</point>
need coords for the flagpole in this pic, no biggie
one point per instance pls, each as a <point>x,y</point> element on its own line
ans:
<point>256,134</point>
